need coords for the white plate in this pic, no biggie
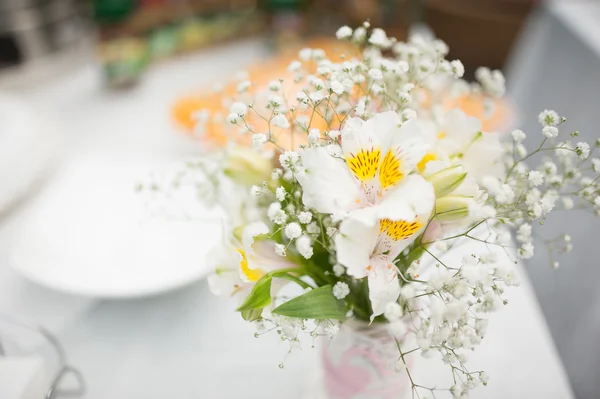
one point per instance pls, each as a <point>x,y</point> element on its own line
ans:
<point>89,233</point>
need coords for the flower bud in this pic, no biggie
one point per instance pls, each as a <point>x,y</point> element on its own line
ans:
<point>447,180</point>
<point>452,207</point>
<point>246,166</point>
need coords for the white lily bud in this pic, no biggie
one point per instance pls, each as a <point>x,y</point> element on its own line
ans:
<point>452,207</point>
<point>447,180</point>
<point>246,166</point>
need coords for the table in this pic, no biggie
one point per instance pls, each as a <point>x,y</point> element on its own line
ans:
<point>189,344</point>
<point>555,65</point>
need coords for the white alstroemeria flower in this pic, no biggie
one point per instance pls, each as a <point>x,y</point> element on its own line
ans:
<point>239,265</point>
<point>374,175</point>
<point>386,204</point>
<point>458,137</point>
<point>370,250</point>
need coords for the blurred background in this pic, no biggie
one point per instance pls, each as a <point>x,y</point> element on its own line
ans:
<point>87,90</point>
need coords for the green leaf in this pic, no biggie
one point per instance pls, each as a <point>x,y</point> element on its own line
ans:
<point>315,304</point>
<point>260,295</point>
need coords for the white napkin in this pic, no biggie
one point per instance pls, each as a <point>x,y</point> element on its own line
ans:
<point>23,377</point>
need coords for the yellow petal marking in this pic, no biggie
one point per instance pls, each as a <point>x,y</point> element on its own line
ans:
<point>389,172</point>
<point>364,165</point>
<point>398,230</point>
<point>441,135</point>
<point>252,275</point>
<point>430,156</point>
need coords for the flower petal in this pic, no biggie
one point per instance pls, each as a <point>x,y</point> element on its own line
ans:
<point>406,147</point>
<point>413,197</point>
<point>327,182</point>
<point>384,287</point>
<point>354,244</point>
<point>250,231</point>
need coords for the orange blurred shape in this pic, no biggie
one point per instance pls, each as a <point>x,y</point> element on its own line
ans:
<point>218,132</point>
<point>475,105</point>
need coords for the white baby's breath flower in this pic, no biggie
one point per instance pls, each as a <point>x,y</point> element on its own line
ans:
<point>404,97</point>
<point>276,174</point>
<point>295,66</point>
<point>359,34</point>
<point>280,249</point>
<point>524,233</point>
<point>233,118</point>
<point>304,246</point>
<point>337,87</point>
<point>305,54</point>
<point>305,217</point>
<point>275,101</point>
<point>276,214</point>
<point>280,193</point>
<point>379,38</point>
<point>583,150</point>
<point>334,134</point>
<point>273,208</point>
<point>360,107</point>
<point>293,230</point>
<point>548,118</point>
<point>259,139</point>
<point>279,217</point>
<point>281,121</point>
<point>313,136</point>
<point>341,290</point>
<point>317,83</point>
<point>317,96</point>
<point>458,69</point>
<point>535,178</point>
<point>526,251</point>
<point>338,270</point>
<point>274,85</point>
<point>535,211</point>
<point>567,203</point>
<point>375,74</point>
<point>312,228</point>
<point>344,32</point>
<point>550,131</point>
<point>289,159</point>
<point>330,231</point>
<point>256,191</point>
<point>393,312</point>
<point>243,86</point>
<point>484,378</point>
<point>518,135</point>
<point>318,54</point>
<point>238,108</point>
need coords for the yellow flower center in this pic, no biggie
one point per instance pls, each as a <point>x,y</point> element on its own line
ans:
<point>430,156</point>
<point>251,275</point>
<point>389,172</point>
<point>398,230</point>
<point>364,165</point>
<point>441,135</point>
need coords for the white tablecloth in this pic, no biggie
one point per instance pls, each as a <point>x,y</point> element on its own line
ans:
<point>189,344</point>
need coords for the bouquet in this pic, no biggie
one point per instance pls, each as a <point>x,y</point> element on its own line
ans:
<point>352,186</point>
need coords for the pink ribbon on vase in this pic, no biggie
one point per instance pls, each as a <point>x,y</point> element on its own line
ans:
<point>361,371</point>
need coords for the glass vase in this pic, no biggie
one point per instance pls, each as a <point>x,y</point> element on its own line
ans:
<point>360,363</point>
